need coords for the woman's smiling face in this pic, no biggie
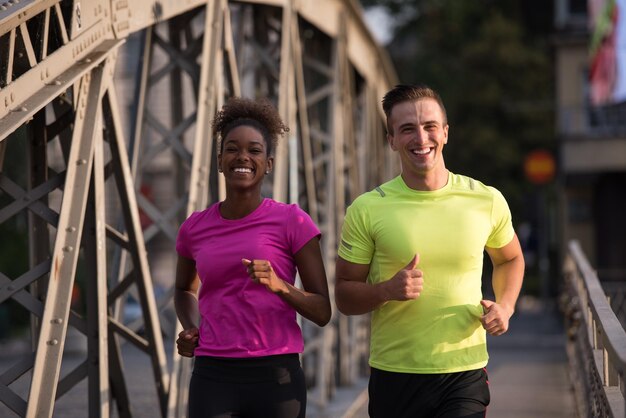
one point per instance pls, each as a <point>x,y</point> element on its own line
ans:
<point>244,159</point>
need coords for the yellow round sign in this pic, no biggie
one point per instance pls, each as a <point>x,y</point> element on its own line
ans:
<point>539,166</point>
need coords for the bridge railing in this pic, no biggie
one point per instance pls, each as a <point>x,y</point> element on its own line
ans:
<point>596,346</point>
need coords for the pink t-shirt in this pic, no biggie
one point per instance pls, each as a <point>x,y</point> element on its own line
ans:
<point>240,318</point>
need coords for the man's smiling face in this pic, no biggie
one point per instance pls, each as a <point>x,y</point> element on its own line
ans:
<point>418,132</point>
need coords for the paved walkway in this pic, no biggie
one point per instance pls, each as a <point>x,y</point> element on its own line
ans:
<point>527,370</point>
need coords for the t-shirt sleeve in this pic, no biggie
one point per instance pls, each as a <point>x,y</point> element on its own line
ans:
<point>300,228</point>
<point>182,240</point>
<point>502,232</point>
<point>356,244</point>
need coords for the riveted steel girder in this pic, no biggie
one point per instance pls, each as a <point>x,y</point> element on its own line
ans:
<point>106,205</point>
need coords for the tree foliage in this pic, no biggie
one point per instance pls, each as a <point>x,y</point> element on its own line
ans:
<point>490,61</point>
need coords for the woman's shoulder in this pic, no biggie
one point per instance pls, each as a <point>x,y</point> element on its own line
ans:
<point>279,206</point>
<point>288,210</point>
<point>200,215</point>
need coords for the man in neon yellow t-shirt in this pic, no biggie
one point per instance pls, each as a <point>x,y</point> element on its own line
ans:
<point>411,253</point>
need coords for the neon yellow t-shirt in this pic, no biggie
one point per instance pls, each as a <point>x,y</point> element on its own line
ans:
<point>439,332</point>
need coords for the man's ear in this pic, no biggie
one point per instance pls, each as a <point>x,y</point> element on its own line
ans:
<point>390,139</point>
<point>446,129</point>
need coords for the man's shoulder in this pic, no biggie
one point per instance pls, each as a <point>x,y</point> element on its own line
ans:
<point>379,192</point>
<point>464,183</point>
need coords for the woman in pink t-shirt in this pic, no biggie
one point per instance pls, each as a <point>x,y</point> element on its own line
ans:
<point>235,295</point>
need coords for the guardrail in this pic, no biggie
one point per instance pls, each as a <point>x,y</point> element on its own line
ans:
<point>596,346</point>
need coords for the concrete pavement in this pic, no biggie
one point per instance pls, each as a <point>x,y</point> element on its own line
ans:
<point>527,369</point>
<point>527,373</point>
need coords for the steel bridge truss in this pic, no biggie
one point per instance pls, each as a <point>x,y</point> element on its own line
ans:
<point>106,147</point>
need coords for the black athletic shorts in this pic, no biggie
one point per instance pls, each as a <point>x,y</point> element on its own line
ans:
<point>260,387</point>
<point>407,395</point>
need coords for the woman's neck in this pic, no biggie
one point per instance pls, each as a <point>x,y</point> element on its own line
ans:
<point>239,206</point>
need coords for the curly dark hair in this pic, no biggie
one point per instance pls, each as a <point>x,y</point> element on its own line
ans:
<point>259,114</point>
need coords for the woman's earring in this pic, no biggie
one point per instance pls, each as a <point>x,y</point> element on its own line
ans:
<point>267,171</point>
<point>219,170</point>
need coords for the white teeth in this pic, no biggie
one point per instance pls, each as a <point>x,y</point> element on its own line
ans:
<point>422,151</point>
<point>242,170</point>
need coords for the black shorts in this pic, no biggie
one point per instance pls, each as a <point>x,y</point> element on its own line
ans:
<point>262,387</point>
<point>407,395</point>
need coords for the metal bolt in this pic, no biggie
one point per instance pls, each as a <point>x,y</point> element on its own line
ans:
<point>70,229</point>
<point>81,161</point>
<point>68,248</point>
<point>52,342</point>
<point>56,321</point>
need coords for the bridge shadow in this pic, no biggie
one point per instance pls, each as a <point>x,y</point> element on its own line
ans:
<point>528,369</point>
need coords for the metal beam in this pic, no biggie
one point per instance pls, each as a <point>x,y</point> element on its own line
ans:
<point>65,252</point>
<point>315,60</point>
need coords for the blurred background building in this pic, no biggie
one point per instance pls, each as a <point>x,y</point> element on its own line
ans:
<point>590,68</point>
